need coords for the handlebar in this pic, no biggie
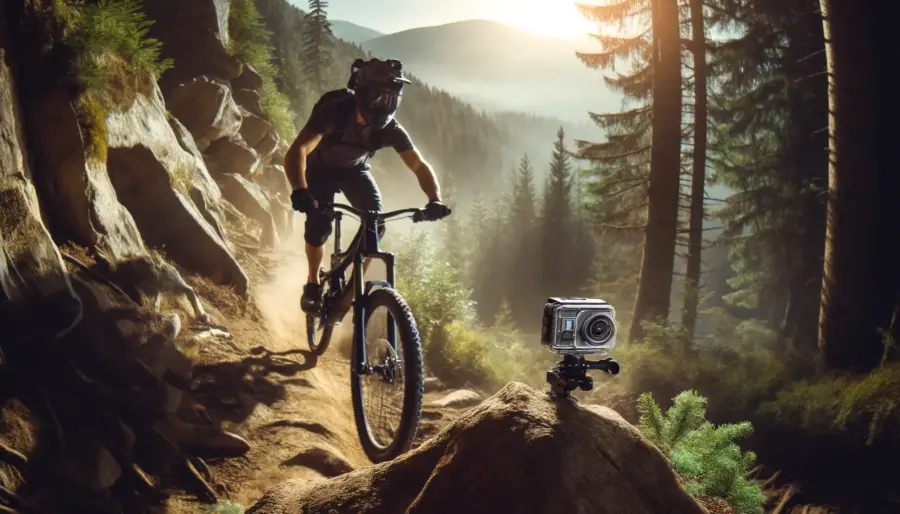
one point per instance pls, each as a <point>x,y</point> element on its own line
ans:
<point>418,214</point>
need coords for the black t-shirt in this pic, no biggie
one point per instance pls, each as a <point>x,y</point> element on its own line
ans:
<point>352,150</point>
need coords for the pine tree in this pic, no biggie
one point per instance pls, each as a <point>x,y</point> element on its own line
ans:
<point>316,42</point>
<point>768,143</point>
<point>642,157</point>
<point>522,249</point>
<point>556,230</point>
<point>698,174</point>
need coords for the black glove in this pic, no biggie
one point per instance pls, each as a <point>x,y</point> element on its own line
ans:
<point>302,200</point>
<point>435,210</point>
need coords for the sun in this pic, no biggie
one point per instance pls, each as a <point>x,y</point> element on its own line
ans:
<point>556,18</point>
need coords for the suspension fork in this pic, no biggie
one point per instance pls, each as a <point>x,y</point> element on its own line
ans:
<point>359,316</point>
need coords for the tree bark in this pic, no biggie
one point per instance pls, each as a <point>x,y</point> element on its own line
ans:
<point>860,276</point>
<point>658,259</point>
<point>698,177</point>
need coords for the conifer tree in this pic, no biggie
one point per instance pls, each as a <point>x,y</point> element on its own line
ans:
<point>768,143</point>
<point>698,174</point>
<point>556,229</point>
<point>317,42</point>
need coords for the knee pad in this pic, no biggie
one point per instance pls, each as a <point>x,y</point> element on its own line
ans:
<point>317,230</point>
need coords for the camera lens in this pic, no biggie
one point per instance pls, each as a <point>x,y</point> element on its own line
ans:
<point>598,329</point>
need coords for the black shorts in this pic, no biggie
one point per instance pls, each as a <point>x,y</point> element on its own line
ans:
<point>358,186</point>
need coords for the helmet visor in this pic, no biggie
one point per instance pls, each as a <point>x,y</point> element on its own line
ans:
<point>384,100</point>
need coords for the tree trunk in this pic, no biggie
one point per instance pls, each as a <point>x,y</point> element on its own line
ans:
<point>655,287</point>
<point>860,276</point>
<point>698,177</point>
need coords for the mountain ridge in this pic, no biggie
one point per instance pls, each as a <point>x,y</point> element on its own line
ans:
<point>498,67</point>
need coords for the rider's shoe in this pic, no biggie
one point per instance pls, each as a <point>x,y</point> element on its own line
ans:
<point>311,301</point>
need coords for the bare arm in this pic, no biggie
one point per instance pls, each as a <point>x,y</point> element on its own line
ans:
<point>427,179</point>
<point>295,160</point>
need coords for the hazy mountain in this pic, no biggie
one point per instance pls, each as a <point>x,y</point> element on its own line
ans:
<point>352,32</point>
<point>498,67</point>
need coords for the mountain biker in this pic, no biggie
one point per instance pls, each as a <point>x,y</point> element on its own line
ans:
<point>330,155</point>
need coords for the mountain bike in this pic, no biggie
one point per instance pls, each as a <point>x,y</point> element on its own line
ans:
<point>380,315</point>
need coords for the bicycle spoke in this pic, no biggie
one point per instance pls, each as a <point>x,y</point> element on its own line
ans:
<point>384,384</point>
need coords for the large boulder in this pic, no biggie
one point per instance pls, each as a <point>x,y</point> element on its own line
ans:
<point>281,150</point>
<point>248,79</point>
<point>154,176</point>
<point>195,35</point>
<point>249,99</point>
<point>205,106</point>
<point>518,452</point>
<point>31,269</point>
<point>248,198</point>
<point>275,181</point>
<point>77,197</point>
<point>259,134</point>
<point>232,155</point>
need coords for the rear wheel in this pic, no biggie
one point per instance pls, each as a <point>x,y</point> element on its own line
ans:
<point>387,401</point>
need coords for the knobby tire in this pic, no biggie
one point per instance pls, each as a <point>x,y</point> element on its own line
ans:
<point>407,332</point>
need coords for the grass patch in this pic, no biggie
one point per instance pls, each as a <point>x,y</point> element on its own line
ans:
<point>224,507</point>
<point>706,457</point>
<point>250,41</point>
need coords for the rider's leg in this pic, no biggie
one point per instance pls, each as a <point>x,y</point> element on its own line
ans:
<point>316,232</point>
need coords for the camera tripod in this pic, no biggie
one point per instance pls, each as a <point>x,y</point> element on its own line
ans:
<point>571,373</point>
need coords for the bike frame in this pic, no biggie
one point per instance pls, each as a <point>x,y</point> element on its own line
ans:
<point>365,244</point>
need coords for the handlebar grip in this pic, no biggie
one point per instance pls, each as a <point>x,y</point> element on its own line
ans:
<point>418,216</point>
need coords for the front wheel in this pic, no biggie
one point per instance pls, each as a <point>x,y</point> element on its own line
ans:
<point>387,411</point>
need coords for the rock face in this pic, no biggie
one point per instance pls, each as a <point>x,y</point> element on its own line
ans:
<point>205,106</point>
<point>153,175</point>
<point>518,452</point>
<point>232,156</point>
<point>259,134</point>
<point>248,79</point>
<point>195,35</point>
<point>248,99</point>
<point>77,196</point>
<point>30,264</point>
<point>250,200</point>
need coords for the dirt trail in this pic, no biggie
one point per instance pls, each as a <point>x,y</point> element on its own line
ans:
<point>294,408</point>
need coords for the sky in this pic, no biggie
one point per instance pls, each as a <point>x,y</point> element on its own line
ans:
<point>557,18</point>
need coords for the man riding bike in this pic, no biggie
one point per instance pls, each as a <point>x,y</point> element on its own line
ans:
<point>331,153</point>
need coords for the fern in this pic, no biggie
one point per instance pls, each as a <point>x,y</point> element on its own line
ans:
<point>705,456</point>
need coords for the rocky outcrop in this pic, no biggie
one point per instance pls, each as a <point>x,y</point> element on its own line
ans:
<point>248,79</point>
<point>76,194</point>
<point>195,35</point>
<point>231,155</point>
<point>31,269</point>
<point>204,105</point>
<point>259,134</point>
<point>273,178</point>
<point>518,452</point>
<point>250,200</point>
<point>153,175</point>
<point>249,99</point>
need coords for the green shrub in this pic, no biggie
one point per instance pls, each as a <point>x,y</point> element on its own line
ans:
<point>705,456</point>
<point>867,407</point>
<point>249,40</point>
<point>457,349</point>
<point>114,58</point>
<point>110,42</point>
